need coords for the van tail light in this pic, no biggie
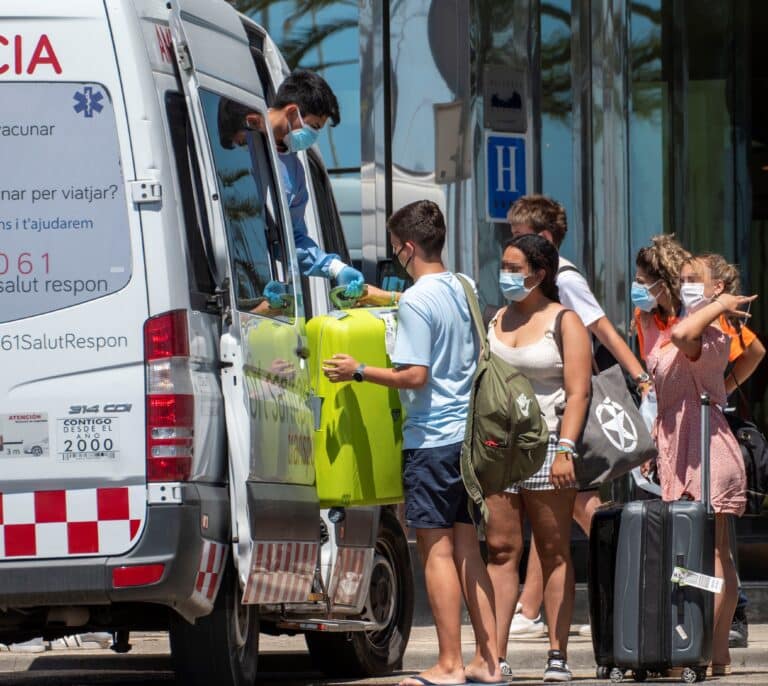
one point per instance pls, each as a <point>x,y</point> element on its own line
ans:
<point>137,575</point>
<point>170,401</point>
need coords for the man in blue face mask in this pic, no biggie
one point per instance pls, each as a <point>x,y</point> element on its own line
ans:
<point>303,105</point>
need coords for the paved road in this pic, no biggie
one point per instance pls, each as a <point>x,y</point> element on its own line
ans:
<point>284,662</point>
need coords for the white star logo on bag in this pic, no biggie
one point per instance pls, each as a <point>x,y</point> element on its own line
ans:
<point>524,403</point>
<point>617,426</point>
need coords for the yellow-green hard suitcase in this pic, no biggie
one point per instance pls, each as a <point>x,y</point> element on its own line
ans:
<point>358,449</point>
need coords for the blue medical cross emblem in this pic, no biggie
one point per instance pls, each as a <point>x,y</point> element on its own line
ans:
<point>88,102</point>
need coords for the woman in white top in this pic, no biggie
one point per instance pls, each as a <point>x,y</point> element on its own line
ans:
<point>523,333</point>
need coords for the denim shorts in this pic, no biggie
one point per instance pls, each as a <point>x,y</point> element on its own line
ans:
<point>435,497</point>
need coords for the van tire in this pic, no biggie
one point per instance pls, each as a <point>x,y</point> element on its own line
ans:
<point>208,652</point>
<point>374,653</point>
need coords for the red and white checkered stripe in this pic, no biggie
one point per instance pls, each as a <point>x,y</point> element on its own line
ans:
<point>348,573</point>
<point>69,523</point>
<point>209,571</point>
<point>280,572</point>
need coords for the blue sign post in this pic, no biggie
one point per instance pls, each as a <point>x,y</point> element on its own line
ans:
<point>505,173</point>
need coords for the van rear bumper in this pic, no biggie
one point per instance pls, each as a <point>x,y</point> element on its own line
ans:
<point>173,536</point>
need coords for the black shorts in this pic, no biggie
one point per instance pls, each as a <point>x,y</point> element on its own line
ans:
<point>435,497</point>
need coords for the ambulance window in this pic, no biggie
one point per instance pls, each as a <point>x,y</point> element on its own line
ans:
<point>261,274</point>
<point>199,252</point>
<point>64,227</point>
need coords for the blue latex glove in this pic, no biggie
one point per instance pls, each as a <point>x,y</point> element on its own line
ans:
<point>274,292</point>
<point>353,280</point>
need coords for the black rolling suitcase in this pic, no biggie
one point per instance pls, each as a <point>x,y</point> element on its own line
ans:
<point>641,619</point>
<point>603,545</point>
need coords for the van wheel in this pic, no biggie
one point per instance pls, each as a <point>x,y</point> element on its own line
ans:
<point>389,602</point>
<point>221,648</point>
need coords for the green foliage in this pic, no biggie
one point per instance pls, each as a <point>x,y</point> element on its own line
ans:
<point>300,42</point>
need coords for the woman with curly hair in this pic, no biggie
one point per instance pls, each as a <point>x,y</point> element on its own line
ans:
<point>685,358</point>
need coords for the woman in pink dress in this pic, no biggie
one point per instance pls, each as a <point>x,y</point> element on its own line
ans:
<point>685,359</point>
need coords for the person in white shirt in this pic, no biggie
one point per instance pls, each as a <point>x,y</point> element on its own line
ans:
<point>546,217</point>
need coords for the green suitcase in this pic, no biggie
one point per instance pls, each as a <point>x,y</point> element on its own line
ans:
<point>358,448</point>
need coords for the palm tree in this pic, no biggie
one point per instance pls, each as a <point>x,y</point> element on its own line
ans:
<point>303,33</point>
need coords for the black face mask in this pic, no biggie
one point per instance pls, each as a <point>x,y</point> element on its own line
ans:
<point>401,270</point>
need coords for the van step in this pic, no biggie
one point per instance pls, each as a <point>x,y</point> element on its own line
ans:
<point>328,625</point>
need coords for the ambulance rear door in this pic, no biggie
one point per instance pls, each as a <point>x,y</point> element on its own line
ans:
<point>265,379</point>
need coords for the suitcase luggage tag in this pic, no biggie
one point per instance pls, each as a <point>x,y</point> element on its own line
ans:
<point>390,329</point>
<point>685,577</point>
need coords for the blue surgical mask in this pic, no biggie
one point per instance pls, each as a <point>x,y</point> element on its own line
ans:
<point>513,286</point>
<point>302,138</point>
<point>642,298</point>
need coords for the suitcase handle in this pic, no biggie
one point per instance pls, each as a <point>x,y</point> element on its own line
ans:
<point>706,497</point>
<point>340,302</point>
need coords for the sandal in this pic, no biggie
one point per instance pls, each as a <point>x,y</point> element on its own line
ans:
<point>718,670</point>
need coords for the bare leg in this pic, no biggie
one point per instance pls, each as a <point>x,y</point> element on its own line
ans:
<point>551,513</point>
<point>436,547</point>
<point>478,593</point>
<point>504,538</point>
<point>533,588</point>
<point>725,602</point>
<point>584,507</point>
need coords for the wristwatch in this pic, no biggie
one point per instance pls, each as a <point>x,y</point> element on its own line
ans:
<point>359,373</point>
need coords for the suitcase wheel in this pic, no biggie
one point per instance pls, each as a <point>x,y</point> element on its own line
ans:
<point>691,676</point>
<point>603,672</point>
<point>640,674</point>
<point>617,675</point>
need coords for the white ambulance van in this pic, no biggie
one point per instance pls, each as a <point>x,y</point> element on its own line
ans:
<point>156,414</point>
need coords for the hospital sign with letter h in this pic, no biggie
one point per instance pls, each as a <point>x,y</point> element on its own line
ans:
<point>506,174</point>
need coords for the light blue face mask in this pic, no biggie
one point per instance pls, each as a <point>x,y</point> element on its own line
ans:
<point>641,295</point>
<point>302,138</point>
<point>513,286</point>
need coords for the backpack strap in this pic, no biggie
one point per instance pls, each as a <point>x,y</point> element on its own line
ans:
<point>742,395</point>
<point>477,317</point>
<point>468,475</point>
<point>567,268</point>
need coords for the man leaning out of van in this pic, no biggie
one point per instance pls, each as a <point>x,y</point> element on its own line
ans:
<point>303,105</point>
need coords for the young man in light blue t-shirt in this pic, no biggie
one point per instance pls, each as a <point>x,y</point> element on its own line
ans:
<point>435,357</point>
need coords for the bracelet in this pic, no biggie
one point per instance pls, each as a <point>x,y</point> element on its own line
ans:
<point>642,379</point>
<point>566,442</point>
<point>393,298</point>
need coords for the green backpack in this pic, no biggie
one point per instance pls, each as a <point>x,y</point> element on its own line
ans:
<point>506,437</point>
